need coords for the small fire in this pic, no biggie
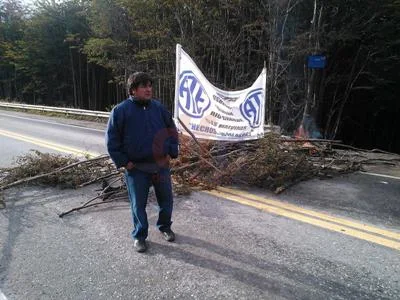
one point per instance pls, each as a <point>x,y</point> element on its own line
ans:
<point>301,133</point>
<point>308,130</point>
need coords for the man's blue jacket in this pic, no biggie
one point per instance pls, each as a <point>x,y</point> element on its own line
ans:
<point>141,133</point>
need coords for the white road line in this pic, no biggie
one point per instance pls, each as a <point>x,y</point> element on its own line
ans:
<point>53,123</point>
<point>380,175</point>
<point>2,297</point>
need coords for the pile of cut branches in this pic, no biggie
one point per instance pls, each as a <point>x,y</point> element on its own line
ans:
<point>273,162</point>
<point>55,170</point>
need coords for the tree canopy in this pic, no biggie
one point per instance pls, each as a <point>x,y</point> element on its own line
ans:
<point>80,52</point>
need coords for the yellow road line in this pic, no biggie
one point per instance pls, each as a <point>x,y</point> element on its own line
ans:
<point>47,144</point>
<point>325,217</point>
<point>309,220</point>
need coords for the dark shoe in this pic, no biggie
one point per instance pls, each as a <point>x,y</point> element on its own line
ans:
<point>169,235</point>
<point>140,245</point>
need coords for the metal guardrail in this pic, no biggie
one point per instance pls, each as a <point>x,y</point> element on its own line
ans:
<point>73,111</point>
<point>93,113</point>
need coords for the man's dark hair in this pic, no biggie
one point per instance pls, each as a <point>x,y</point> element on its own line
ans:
<point>137,79</point>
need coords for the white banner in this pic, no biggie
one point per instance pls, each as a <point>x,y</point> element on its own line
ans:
<point>214,114</point>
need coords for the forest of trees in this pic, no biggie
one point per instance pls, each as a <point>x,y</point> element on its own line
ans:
<point>78,53</point>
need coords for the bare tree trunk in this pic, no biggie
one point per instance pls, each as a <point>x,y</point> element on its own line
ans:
<point>73,77</point>
<point>350,83</point>
<point>94,87</point>
<point>80,80</point>
<point>277,67</point>
<point>271,63</point>
<point>88,85</point>
<point>314,42</point>
<point>15,82</point>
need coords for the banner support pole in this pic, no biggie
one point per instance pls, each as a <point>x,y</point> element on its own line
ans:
<point>265,91</point>
<point>177,73</point>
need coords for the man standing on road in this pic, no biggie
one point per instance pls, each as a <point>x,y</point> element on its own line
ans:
<point>142,137</point>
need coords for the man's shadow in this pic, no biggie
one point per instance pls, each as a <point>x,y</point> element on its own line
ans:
<point>279,279</point>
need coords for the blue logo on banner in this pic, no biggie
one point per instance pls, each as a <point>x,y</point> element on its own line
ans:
<point>193,99</point>
<point>251,108</point>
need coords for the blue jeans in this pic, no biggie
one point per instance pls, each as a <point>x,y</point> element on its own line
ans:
<point>138,184</point>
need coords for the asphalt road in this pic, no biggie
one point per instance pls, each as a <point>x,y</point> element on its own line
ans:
<point>22,132</point>
<point>334,239</point>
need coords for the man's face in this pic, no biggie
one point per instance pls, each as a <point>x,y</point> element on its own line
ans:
<point>144,91</point>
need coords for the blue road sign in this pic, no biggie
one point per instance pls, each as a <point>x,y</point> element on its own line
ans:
<point>316,61</point>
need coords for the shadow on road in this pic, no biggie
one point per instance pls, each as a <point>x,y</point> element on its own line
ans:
<point>272,277</point>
